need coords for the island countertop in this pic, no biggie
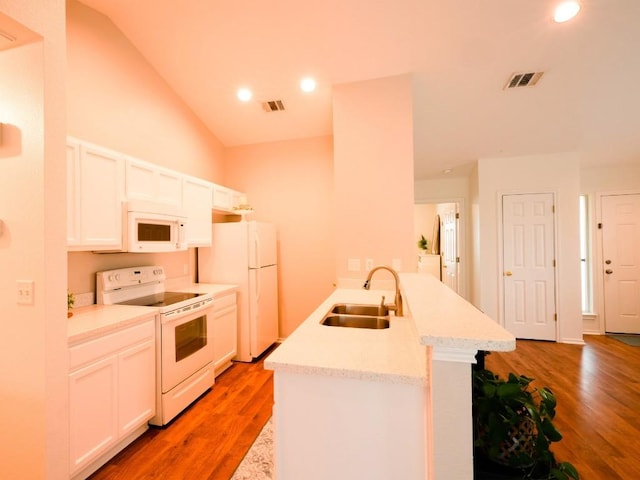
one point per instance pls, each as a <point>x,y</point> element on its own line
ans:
<point>445,319</point>
<point>435,316</point>
<point>392,355</point>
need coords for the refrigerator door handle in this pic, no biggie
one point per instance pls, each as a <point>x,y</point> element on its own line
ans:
<point>256,251</point>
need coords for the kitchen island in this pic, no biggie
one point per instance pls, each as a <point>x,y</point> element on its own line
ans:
<point>380,404</point>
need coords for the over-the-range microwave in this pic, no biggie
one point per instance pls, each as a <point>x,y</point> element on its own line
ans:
<point>154,227</point>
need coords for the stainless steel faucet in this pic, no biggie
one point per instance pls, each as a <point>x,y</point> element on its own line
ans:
<point>397,306</point>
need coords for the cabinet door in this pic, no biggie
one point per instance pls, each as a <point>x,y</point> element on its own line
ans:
<point>225,336</point>
<point>140,180</point>
<point>94,411</point>
<point>136,386</point>
<point>222,198</point>
<point>196,200</point>
<point>146,181</point>
<point>101,195</point>
<point>169,187</point>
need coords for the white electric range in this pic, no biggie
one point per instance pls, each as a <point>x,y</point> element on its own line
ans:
<point>184,347</point>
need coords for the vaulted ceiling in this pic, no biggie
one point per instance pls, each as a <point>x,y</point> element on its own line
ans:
<point>461,54</point>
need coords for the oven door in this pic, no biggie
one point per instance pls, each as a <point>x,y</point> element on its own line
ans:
<point>186,345</point>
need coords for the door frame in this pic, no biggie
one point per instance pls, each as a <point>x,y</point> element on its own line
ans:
<point>500,245</point>
<point>462,250</point>
<point>598,274</point>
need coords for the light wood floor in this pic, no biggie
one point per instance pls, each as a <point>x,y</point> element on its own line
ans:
<point>597,387</point>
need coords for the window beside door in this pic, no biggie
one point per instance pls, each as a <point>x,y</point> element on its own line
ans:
<point>586,276</point>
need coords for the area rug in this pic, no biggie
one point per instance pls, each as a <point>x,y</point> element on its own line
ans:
<point>257,464</point>
<point>633,340</point>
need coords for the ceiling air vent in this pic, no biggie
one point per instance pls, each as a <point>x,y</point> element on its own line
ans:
<point>528,79</point>
<point>273,106</point>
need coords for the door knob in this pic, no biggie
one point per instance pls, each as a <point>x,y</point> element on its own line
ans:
<point>608,271</point>
<point>608,262</point>
<point>508,273</point>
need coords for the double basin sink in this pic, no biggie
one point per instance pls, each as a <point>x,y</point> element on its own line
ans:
<point>357,316</point>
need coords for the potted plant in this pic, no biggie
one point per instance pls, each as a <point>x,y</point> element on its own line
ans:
<point>513,426</point>
<point>71,299</point>
<point>423,244</point>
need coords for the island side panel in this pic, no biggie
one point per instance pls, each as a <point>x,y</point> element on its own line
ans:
<point>452,419</point>
<point>335,427</point>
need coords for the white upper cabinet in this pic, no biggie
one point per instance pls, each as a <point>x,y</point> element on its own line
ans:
<point>95,181</point>
<point>146,181</point>
<point>196,201</point>
<point>225,200</point>
<point>99,180</point>
<point>222,198</point>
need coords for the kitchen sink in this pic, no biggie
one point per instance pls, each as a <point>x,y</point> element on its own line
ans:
<point>355,321</point>
<point>355,315</point>
<point>358,309</point>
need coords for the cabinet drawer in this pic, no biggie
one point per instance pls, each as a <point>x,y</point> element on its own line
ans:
<point>108,344</point>
<point>224,302</point>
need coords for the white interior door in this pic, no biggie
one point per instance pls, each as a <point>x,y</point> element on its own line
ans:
<point>528,261</point>
<point>449,245</point>
<point>621,256</point>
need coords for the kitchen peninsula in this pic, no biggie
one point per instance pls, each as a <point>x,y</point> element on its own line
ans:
<point>387,403</point>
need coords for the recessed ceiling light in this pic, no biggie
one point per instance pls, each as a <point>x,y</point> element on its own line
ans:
<point>308,84</point>
<point>566,11</point>
<point>447,171</point>
<point>244,94</point>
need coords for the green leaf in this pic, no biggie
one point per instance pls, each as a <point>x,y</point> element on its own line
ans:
<point>551,431</point>
<point>570,470</point>
<point>507,390</point>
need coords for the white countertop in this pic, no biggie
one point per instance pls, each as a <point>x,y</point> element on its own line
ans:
<point>444,319</point>
<point>96,320</point>
<point>392,355</point>
<point>435,316</point>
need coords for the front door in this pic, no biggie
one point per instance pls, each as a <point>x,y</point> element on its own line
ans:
<point>529,265</point>
<point>621,256</point>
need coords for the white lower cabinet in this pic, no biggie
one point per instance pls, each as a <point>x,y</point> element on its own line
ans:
<point>111,394</point>
<point>225,332</point>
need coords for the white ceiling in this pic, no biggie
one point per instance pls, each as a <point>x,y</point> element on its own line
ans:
<point>461,53</point>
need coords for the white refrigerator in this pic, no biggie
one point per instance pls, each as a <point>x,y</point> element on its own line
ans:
<point>244,253</point>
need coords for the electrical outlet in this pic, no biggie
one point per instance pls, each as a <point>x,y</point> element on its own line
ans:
<point>25,292</point>
<point>396,263</point>
<point>369,264</point>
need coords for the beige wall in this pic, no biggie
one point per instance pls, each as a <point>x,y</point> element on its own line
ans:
<point>373,174</point>
<point>116,99</point>
<point>33,355</point>
<point>291,184</point>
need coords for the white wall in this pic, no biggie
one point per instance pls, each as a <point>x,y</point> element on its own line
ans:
<point>553,173</point>
<point>33,342</point>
